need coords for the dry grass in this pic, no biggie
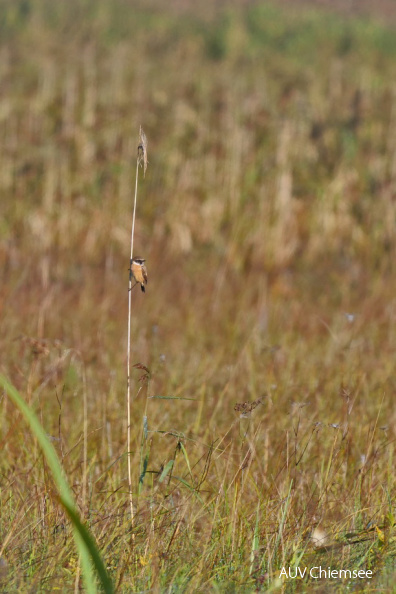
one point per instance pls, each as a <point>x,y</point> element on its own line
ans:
<point>267,219</point>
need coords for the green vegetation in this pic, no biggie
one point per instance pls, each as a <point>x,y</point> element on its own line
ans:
<point>263,351</point>
<point>84,542</point>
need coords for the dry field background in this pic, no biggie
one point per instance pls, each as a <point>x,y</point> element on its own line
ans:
<point>267,219</point>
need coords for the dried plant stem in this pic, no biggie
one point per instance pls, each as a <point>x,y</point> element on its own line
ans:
<point>141,159</point>
<point>129,354</point>
<point>85,450</point>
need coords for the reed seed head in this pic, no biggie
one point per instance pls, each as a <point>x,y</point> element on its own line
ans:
<point>142,150</point>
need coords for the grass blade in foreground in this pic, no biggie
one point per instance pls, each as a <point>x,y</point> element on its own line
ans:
<point>86,545</point>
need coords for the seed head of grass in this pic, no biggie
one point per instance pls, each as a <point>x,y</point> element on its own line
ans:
<point>142,150</point>
<point>246,408</point>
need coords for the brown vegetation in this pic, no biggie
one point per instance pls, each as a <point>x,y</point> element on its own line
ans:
<point>267,221</point>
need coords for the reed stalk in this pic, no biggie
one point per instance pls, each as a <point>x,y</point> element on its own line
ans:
<point>141,159</point>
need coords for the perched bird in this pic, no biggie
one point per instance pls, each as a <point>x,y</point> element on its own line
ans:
<point>138,271</point>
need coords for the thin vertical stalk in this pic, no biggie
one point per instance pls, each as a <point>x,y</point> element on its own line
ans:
<point>141,158</point>
<point>85,447</point>
<point>129,354</point>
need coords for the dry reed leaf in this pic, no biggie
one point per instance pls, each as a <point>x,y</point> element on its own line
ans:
<point>142,150</point>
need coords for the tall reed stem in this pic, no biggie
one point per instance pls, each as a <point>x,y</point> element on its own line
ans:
<point>141,157</point>
<point>129,354</point>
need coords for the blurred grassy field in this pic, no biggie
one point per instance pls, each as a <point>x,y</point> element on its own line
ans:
<point>267,219</point>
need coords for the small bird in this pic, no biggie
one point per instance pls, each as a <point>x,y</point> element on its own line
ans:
<point>138,271</point>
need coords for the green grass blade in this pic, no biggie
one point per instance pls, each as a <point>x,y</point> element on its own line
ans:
<point>255,540</point>
<point>285,509</point>
<point>144,470</point>
<point>90,544</point>
<point>86,545</point>
<point>183,449</point>
<point>166,471</point>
